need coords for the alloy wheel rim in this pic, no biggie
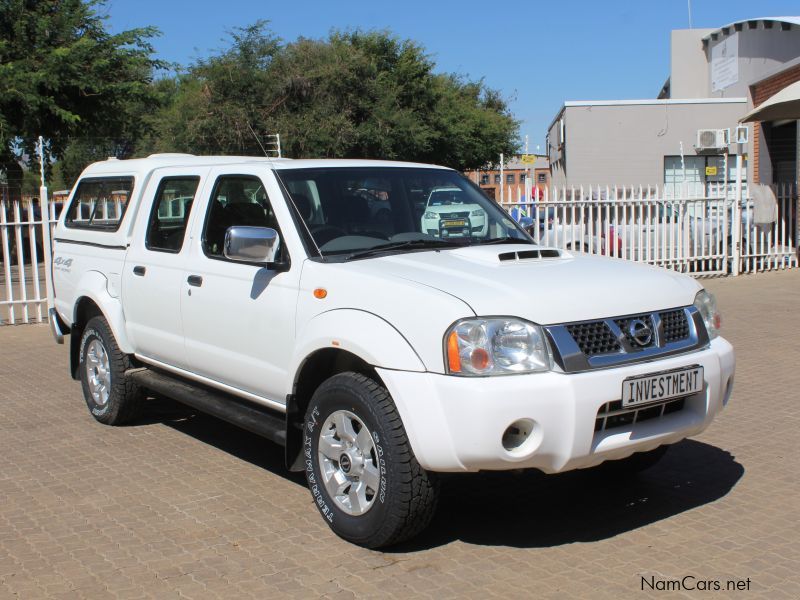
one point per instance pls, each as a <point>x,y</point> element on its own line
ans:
<point>98,372</point>
<point>348,462</point>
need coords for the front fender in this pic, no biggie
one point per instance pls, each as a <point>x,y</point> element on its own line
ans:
<point>359,332</point>
<point>94,285</point>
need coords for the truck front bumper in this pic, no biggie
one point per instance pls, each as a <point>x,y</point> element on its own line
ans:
<point>458,423</point>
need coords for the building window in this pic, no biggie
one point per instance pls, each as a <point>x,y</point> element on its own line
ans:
<point>522,177</point>
<point>497,179</point>
<point>541,178</point>
<point>510,178</point>
<point>698,176</point>
<point>484,180</point>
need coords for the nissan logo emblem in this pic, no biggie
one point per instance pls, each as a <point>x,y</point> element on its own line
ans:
<point>640,332</point>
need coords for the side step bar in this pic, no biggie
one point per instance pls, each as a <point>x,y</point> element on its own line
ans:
<point>244,414</point>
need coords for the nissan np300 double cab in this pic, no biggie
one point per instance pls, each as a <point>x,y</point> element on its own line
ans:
<point>304,300</point>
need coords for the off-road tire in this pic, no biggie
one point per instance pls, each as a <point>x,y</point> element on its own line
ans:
<point>125,399</point>
<point>409,493</point>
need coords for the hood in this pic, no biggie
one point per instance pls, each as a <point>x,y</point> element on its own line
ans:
<point>558,288</point>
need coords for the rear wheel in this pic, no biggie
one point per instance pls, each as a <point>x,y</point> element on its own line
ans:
<point>360,468</point>
<point>111,398</point>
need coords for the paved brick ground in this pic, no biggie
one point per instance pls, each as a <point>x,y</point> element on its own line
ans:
<point>182,505</point>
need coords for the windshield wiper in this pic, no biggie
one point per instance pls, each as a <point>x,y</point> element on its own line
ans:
<point>506,240</point>
<point>407,245</point>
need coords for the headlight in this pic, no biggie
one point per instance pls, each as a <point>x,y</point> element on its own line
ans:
<point>496,346</point>
<point>477,213</point>
<point>706,304</point>
<point>431,215</point>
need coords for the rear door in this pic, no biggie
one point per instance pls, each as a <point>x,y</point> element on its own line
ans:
<point>153,274</point>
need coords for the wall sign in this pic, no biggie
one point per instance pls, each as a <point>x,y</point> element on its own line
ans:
<point>725,63</point>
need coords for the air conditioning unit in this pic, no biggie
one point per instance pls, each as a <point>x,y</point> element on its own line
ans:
<point>712,139</point>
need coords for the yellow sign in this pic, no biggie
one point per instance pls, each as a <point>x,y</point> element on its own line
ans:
<point>528,159</point>
<point>711,171</point>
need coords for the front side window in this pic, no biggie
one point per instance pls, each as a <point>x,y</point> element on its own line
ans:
<point>236,200</point>
<point>351,209</point>
<point>170,213</point>
<point>99,203</point>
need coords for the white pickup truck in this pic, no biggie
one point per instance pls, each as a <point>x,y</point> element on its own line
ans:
<point>270,294</point>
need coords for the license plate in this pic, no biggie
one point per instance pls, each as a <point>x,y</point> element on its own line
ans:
<point>656,387</point>
<point>454,223</point>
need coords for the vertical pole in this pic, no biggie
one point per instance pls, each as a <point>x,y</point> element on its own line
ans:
<point>736,220</point>
<point>44,206</point>
<point>502,184</point>
<point>527,185</point>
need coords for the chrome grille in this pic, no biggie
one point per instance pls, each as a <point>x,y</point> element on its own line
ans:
<point>454,215</point>
<point>603,343</point>
<point>594,338</point>
<point>675,325</point>
<point>611,415</point>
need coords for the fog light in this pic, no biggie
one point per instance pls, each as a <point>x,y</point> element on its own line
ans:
<point>516,434</point>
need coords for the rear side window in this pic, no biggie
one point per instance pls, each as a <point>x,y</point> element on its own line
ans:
<point>100,203</point>
<point>170,214</point>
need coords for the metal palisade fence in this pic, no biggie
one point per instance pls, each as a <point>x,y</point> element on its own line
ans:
<point>701,234</point>
<point>23,292</point>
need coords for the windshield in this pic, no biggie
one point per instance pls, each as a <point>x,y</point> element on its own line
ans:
<point>350,210</point>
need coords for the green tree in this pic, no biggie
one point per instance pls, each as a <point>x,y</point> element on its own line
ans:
<point>355,94</point>
<point>63,75</point>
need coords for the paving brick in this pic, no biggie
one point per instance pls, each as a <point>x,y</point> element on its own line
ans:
<point>183,505</point>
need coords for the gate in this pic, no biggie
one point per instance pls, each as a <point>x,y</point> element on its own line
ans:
<point>700,235</point>
<point>23,293</point>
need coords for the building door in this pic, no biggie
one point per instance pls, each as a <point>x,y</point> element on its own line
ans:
<point>781,138</point>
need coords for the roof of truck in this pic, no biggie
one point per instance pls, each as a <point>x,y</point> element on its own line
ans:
<point>155,161</point>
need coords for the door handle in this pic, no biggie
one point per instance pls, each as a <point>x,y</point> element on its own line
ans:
<point>194,280</point>
<point>139,270</point>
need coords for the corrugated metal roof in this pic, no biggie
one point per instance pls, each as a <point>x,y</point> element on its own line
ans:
<point>789,20</point>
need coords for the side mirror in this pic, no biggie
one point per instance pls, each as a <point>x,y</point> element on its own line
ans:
<point>251,244</point>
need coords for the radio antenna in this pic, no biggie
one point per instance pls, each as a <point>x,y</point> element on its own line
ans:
<point>257,140</point>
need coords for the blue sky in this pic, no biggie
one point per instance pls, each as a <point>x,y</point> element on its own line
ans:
<point>538,54</point>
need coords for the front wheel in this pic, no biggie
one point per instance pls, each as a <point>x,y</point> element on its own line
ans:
<point>361,471</point>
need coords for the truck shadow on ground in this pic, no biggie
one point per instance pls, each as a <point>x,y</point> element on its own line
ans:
<point>524,509</point>
<point>529,509</point>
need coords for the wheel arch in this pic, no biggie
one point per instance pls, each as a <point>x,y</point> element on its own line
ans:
<point>93,299</point>
<point>317,367</point>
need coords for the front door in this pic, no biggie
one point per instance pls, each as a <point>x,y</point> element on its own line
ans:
<point>239,318</point>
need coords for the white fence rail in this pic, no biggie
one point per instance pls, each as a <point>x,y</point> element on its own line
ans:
<point>702,236</point>
<point>708,235</point>
<point>23,293</point>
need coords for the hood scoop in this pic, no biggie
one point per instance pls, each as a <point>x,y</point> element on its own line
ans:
<point>529,254</point>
